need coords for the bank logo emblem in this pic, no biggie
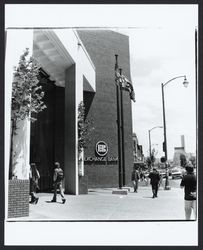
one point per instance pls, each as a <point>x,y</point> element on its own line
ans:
<point>101,148</point>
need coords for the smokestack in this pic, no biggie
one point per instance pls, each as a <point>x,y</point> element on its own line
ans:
<point>183,141</point>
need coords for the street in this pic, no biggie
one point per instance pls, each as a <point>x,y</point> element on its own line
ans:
<point>174,183</point>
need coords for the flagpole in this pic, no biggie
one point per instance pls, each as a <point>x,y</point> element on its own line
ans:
<point>118,98</point>
<point>122,132</point>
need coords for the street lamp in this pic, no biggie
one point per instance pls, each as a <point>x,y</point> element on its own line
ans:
<point>150,149</point>
<point>185,83</point>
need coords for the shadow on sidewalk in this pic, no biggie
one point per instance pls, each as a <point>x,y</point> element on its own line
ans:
<point>54,202</point>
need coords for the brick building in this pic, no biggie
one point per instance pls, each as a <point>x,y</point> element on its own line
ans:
<point>138,156</point>
<point>102,47</point>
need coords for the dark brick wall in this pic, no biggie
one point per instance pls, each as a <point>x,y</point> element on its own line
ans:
<point>102,47</point>
<point>18,198</point>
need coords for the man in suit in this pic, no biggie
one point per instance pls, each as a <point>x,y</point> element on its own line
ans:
<point>154,181</point>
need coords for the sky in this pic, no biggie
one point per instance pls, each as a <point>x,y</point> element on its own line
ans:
<point>162,46</point>
<point>157,55</point>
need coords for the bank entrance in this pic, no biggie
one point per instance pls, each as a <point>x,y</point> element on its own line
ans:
<point>47,133</point>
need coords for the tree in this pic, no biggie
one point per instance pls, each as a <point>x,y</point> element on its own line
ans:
<point>183,160</point>
<point>153,156</point>
<point>148,161</point>
<point>85,128</point>
<point>193,160</point>
<point>27,97</point>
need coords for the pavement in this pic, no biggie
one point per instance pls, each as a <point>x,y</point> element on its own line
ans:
<point>101,205</point>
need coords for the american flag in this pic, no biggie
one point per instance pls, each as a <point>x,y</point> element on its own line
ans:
<point>125,84</point>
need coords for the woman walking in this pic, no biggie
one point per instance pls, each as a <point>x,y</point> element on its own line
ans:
<point>34,178</point>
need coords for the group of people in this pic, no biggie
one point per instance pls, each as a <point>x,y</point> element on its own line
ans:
<point>34,177</point>
<point>154,180</point>
<point>136,177</point>
<point>188,182</point>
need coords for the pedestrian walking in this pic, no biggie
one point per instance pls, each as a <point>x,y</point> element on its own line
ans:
<point>58,178</point>
<point>189,183</point>
<point>154,181</point>
<point>135,179</point>
<point>141,175</point>
<point>34,183</point>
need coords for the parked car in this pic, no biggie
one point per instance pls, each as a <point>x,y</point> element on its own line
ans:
<point>176,173</point>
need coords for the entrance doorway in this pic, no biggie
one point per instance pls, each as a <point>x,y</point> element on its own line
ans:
<point>47,133</point>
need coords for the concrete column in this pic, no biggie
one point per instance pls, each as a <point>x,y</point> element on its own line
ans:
<point>73,96</point>
<point>82,66</point>
<point>70,162</point>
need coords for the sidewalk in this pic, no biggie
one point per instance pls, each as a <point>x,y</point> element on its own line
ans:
<point>101,204</point>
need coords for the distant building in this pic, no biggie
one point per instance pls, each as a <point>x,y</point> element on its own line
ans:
<point>138,157</point>
<point>179,151</point>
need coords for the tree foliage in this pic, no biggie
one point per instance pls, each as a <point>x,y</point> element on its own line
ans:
<point>85,128</point>
<point>193,160</point>
<point>153,155</point>
<point>27,94</point>
<point>27,97</point>
<point>183,160</point>
<point>148,161</point>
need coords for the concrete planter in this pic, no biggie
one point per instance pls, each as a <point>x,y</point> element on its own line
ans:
<point>18,198</point>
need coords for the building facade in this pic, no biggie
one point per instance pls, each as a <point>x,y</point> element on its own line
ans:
<point>102,45</point>
<point>138,157</point>
<point>178,151</point>
<point>76,66</point>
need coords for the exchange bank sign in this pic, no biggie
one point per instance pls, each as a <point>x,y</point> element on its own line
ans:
<point>101,150</point>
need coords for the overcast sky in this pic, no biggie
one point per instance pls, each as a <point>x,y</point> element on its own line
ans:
<point>162,46</point>
<point>158,55</point>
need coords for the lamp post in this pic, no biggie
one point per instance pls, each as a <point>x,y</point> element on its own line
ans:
<point>150,149</point>
<point>185,83</point>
